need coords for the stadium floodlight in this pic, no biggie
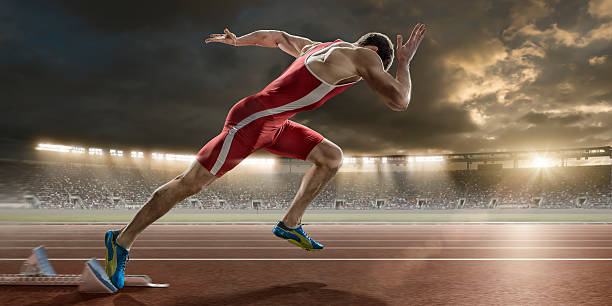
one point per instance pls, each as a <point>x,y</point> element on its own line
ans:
<point>117,153</point>
<point>179,157</point>
<point>258,161</point>
<point>52,147</point>
<point>60,148</point>
<point>383,160</point>
<point>429,158</point>
<point>368,160</point>
<point>96,151</point>
<point>349,160</point>
<point>157,156</point>
<point>77,150</point>
<point>137,154</point>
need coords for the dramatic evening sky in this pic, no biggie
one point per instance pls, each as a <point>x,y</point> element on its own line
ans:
<point>490,75</point>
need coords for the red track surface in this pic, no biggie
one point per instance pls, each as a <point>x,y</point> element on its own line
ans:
<point>330,281</point>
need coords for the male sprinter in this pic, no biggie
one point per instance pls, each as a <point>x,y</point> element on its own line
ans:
<point>261,121</point>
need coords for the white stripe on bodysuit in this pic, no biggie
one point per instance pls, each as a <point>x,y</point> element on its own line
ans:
<point>313,97</point>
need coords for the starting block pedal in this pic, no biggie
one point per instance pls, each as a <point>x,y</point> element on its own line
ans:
<point>37,264</point>
<point>37,271</point>
<point>94,279</point>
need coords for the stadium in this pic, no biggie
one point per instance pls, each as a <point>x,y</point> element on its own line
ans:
<point>388,213</point>
<point>364,152</point>
<point>79,178</point>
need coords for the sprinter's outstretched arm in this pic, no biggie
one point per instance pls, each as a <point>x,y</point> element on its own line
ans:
<point>291,44</point>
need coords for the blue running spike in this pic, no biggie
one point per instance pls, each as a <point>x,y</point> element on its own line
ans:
<point>116,258</point>
<point>296,236</point>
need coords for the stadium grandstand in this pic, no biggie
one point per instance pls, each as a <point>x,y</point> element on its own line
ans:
<point>74,177</point>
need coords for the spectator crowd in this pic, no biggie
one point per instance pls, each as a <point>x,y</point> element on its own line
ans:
<point>105,186</point>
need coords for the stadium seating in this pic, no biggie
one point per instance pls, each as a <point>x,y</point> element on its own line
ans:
<point>108,186</point>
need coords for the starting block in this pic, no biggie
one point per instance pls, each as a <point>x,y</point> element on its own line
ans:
<point>37,271</point>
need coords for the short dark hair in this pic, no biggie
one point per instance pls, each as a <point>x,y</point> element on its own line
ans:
<point>384,44</point>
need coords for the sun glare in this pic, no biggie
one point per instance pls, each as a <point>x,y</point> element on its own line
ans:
<point>542,162</point>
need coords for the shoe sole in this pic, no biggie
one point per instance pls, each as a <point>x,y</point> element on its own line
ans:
<point>298,244</point>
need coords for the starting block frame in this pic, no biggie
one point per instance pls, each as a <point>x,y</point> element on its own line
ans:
<point>37,271</point>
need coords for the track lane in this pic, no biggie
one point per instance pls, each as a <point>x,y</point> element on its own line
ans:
<point>337,282</point>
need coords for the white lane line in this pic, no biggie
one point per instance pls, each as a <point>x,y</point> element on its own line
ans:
<point>345,229</point>
<point>345,240</point>
<point>340,228</point>
<point>335,248</point>
<point>319,232</point>
<point>320,236</point>
<point>353,234</point>
<point>608,229</point>
<point>330,231</point>
<point>333,259</point>
<point>14,223</point>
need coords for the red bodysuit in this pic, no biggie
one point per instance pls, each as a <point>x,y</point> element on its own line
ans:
<point>261,121</point>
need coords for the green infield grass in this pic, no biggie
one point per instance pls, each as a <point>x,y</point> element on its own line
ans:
<point>194,215</point>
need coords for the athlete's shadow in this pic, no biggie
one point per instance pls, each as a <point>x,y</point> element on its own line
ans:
<point>306,293</point>
<point>71,296</point>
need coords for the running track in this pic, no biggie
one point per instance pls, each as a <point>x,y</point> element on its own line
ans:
<point>465,264</point>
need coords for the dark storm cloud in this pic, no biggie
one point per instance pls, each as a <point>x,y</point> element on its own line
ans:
<point>490,74</point>
<point>542,118</point>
